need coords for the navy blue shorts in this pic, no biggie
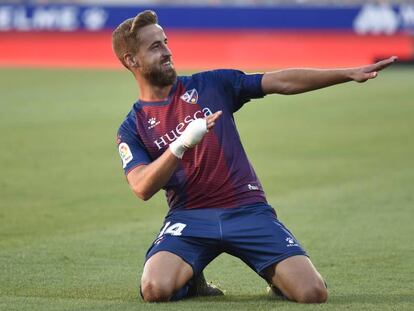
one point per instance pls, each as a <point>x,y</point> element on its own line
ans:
<point>251,233</point>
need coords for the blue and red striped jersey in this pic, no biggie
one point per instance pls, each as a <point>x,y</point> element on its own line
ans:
<point>216,172</point>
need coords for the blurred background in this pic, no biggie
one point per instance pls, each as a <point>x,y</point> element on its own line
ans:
<point>245,34</point>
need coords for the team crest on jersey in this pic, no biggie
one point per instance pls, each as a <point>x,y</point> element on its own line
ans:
<point>191,96</point>
<point>125,154</point>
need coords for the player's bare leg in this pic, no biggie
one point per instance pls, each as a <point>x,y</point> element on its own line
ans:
<point>298,280</point>
<point>164,274</point>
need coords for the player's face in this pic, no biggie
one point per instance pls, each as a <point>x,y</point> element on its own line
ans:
<point>154,56</point>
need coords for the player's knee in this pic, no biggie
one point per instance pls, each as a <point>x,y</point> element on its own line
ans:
<point>314,293</point>
<point>156,291</point>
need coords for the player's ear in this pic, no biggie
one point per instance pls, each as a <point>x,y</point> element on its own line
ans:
<point>130,60</point>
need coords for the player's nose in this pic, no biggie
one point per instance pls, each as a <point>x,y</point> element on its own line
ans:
<point>167,51</point>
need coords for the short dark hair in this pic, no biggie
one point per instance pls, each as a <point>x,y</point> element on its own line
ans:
<point>125,37</point>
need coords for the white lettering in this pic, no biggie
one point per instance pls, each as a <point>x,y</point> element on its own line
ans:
<point>376,19</point>
<point>196,113</point>
<point>407,15</point>
<point>41,18</point>
<point>175,229</point>
<point>94,18</point>
<point>45,19</point>
<point>160,142</point>
<point>22,22</point>
<point>174,136</point>
<point>179,128</point>
<point>163,229</point>
<point>5,18</point>
<point>207,112</point>
<point>188,119</point>
<point>68,18</point>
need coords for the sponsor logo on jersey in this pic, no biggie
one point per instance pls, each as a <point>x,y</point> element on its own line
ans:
<point>125,154</point>
<point>169,137</point>
<point>152,123</point>
<point>252,187</point>
<point>190,96</point>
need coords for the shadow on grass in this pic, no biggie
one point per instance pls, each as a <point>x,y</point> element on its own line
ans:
<point>237,299</point>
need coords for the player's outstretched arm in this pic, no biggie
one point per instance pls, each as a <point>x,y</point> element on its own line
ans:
<point>300,80</point>
<point>146,180</point>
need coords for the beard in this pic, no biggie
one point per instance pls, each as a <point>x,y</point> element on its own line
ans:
<point>159,76</point>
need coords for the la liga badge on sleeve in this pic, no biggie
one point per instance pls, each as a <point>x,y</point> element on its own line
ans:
<point>125,154</point>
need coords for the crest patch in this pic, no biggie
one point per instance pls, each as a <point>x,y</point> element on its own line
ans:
<point>191,96</point>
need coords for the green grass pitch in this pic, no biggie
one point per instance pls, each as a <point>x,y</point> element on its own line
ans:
<point>337,164</point>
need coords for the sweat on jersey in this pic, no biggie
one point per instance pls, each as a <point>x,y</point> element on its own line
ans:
<point>216,172</point>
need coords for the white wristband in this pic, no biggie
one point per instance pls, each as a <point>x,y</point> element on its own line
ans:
<point>191,136</point>
<point>177,148</point>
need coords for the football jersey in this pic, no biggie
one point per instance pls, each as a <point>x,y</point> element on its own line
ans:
<point>216,172</point>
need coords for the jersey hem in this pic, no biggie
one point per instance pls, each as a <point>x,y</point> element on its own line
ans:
<point>233,206</point>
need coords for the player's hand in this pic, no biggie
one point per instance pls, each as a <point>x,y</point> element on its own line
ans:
<point>365,73</point>
<point>193,134</point>
<point>211,119</point>
<point>196,130</point>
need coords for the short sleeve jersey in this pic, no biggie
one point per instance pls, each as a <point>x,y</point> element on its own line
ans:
<point>216,172</point>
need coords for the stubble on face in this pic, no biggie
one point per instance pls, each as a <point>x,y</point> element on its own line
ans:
<point>159,74</point>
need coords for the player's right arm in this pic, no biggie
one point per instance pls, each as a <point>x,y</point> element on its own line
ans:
<point>147,179</point>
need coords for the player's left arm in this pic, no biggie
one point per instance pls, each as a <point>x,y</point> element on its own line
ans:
<point>298,80</point>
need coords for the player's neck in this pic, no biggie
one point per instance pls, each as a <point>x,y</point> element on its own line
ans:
<point>148,92</point>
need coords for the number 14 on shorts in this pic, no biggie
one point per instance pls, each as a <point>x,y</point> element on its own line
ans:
<point>172,229</point>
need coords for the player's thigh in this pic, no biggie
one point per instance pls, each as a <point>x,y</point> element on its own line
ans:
<point>165,272</point>
<point>178,253</point>
<point>298,279</point>
<point>256,236</point>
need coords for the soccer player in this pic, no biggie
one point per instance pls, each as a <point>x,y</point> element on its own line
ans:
<point>180,136</point>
